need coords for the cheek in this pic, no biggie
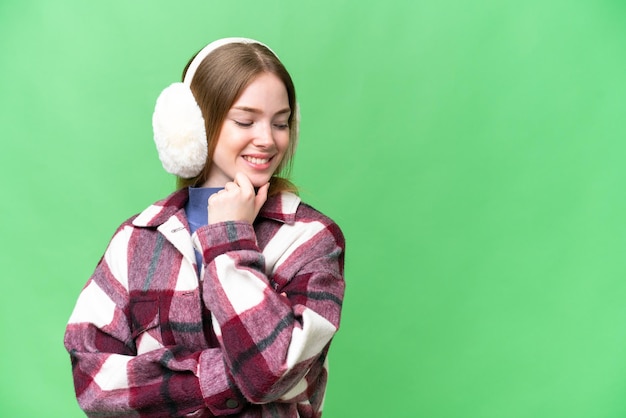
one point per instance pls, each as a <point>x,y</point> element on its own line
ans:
<point>283,142</point>
<point>229,141</point>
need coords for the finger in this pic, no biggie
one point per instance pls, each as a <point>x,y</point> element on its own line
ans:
<point>244,183</point>
<point>231,185</point>
<point>261,197</point>
<point>213,199</point>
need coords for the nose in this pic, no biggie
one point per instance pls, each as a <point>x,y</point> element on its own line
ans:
<point>264,136</point>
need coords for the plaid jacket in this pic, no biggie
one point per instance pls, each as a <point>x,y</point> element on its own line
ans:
<point>248,338</point>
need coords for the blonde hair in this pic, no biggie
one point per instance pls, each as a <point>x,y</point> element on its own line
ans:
<point>219,81</point>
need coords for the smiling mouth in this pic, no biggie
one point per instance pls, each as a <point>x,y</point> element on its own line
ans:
<point>255,160</point>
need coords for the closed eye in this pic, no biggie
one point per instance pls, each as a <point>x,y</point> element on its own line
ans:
<point>242,124</point>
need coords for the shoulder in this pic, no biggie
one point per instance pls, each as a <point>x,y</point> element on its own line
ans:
<point>307,214</point>
<point>155,214</point>
<point>299,217</point>
<point>287,207</point>
<point>161,210</point>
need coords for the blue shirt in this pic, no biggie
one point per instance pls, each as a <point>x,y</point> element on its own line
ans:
<point>196,210</point>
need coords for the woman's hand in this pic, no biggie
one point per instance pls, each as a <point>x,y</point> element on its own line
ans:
<point>237,202</point>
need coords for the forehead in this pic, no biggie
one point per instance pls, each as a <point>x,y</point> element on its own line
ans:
<point>265,89</point>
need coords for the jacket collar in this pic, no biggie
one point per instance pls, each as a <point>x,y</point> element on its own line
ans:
<point>281,207</point>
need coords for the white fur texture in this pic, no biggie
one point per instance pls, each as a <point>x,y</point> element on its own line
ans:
<point>179,131</point>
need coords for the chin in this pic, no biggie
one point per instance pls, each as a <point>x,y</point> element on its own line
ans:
<point>259,182</point>
<point>257,179</point>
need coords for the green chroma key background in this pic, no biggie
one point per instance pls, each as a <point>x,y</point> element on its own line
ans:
<point>472,151</point>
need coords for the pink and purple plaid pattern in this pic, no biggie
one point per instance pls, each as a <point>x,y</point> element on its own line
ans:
<point>249,338</point>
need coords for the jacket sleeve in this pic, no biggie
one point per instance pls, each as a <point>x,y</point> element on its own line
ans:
<point>275,311</point>
<point>112,379</point>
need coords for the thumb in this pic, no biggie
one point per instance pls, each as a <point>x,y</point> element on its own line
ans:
<point>261,197</point>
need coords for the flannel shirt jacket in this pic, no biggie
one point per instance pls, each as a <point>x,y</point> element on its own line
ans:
<point>148,337</point>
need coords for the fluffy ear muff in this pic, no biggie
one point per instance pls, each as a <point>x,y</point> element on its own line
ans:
<point>179,131</point>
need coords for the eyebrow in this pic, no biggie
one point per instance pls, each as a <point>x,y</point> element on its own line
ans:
<point>259,111</point>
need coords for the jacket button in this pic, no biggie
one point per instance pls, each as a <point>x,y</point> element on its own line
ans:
<point>232,403</point>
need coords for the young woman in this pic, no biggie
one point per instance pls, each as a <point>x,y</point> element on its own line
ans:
<point>221,299</point>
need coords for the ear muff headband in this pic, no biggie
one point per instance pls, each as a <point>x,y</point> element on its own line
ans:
<point>178,124</point>
<point>204,52</point>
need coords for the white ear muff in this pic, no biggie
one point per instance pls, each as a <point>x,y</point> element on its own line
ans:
<point>179,131</point>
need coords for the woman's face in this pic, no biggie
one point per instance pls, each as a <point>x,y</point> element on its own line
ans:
<point>255,134</point>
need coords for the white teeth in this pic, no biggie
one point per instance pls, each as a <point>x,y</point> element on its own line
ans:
<point>255,160</point>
